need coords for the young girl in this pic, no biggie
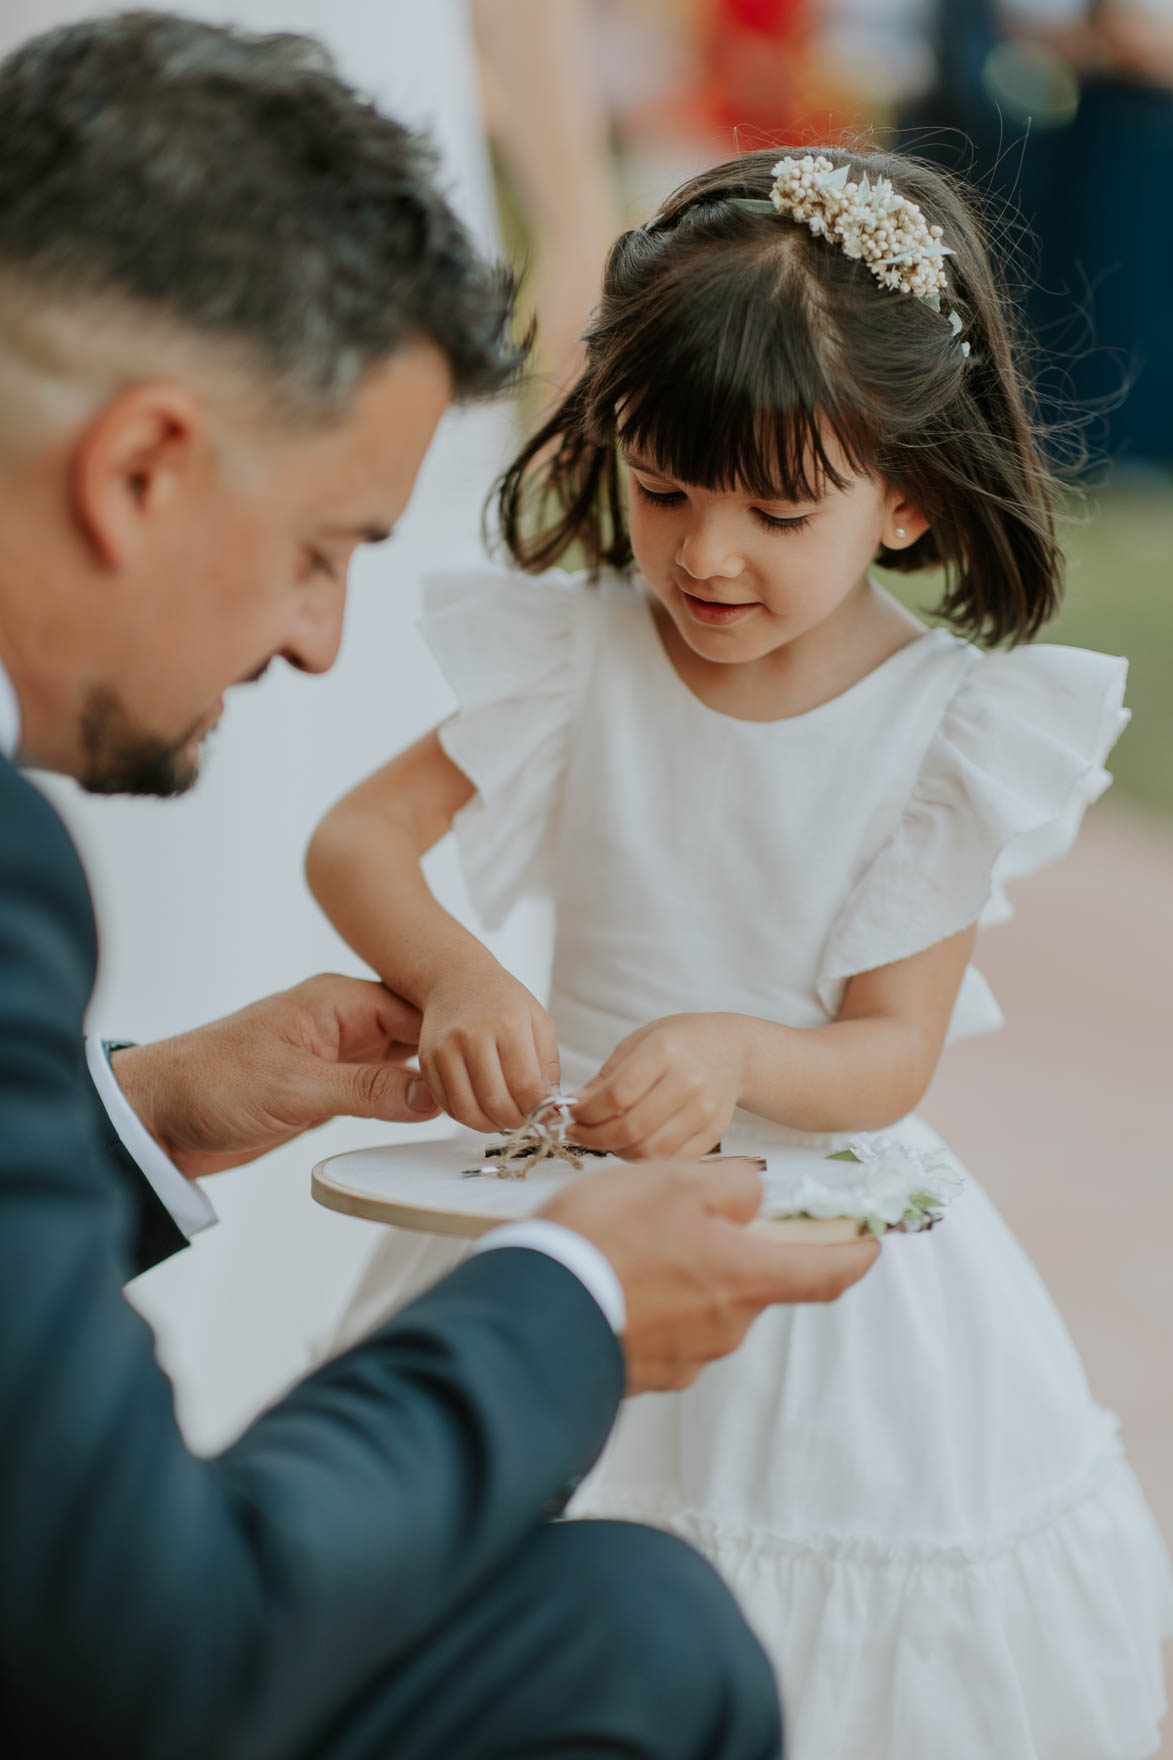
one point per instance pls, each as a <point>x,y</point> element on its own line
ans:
<point>772,810</point>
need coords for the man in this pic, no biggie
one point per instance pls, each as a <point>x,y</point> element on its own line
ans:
<point>232,310</point>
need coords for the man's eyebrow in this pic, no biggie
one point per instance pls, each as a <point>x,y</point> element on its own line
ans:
<point>366,534</point>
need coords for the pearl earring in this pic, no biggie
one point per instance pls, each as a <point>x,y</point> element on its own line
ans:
<point>900,532</point>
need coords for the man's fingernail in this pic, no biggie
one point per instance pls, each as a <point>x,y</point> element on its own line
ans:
<point>419,1097</point>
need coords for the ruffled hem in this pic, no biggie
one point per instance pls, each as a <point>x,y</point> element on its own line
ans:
<point>508,647</point>
<point>1016,762</point>
<point>1043,1645</point>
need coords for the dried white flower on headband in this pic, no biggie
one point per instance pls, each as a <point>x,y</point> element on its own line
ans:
<point>870,222</point>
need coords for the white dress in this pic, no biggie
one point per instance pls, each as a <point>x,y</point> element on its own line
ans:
<point>925,1515</point>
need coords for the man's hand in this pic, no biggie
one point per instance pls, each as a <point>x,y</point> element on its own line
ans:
<point>694,1277</point>
<point>223,1094</point>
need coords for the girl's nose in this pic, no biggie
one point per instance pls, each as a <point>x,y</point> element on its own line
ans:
<point>706,556</point>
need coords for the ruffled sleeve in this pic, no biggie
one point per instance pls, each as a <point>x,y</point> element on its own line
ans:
<point>515,651</point>
<point>1016,760</point>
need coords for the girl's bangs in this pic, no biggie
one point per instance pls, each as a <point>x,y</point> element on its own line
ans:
<point>749,416</point>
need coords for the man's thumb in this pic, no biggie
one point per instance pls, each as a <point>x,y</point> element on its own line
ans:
<point>733,1189</point>
<point>376,1090</point>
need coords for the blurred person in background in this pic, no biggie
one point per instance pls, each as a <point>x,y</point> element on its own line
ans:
<point>547,116</point>
<point>1065,107</point>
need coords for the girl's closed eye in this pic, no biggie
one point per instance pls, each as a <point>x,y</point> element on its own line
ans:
<point>770,521</point>
<point>774,523</point>
<point>660,497</point>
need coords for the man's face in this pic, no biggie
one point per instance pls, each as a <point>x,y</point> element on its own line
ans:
<point>248,562</point>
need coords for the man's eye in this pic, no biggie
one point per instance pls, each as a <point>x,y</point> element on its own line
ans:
<point>320,564</point>
<point>662,497</point>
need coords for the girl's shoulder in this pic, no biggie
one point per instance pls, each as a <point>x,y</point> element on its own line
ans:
<point>496,631</point>
<point>1045,679</point>
<point>1014,756</point>
<point>991,701</point>
<point>516,651</point>
<point>509,593</point>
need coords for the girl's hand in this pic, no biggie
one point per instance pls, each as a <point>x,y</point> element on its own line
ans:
<point>487,1048</point>
<point>668,1089</point>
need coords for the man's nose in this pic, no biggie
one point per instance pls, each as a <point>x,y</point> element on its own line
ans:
<point>317,636</point>
<point>708,552</point>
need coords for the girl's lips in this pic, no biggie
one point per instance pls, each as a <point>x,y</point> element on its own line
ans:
<point>714,612</point>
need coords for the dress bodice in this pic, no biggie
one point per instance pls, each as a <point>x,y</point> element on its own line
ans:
<point>703,863</point>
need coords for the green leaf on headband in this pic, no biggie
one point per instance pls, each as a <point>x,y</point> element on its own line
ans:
<point>844,1155</point>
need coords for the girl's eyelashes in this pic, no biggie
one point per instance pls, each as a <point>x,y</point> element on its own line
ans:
<point>771,522</point>
<point>660,497</point>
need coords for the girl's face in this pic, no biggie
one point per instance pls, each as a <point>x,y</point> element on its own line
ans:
<point>741,576</point>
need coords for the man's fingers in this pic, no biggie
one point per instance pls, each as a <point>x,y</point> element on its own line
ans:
<point>373,1090</point>
<point>368,1015</point>
<point>732,1189</point>
<point>791,1271</point>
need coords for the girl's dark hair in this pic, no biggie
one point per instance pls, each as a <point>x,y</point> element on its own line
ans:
<point>729,345</point>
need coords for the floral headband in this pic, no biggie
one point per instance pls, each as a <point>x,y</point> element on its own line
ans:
<point>868,221</point>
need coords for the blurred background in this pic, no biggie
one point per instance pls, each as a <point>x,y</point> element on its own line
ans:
<point>560,122</point>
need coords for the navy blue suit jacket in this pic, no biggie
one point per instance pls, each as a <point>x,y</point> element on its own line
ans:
<point>155,1604</point>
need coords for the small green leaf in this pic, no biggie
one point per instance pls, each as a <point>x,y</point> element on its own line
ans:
<point>875,1226</point>
<point>845,1155</point>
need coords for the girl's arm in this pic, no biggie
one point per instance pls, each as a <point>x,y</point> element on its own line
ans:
<point>671,1088</point>
<point>487,1047</point>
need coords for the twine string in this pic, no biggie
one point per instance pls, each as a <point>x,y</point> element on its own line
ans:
<point>540,1137</point>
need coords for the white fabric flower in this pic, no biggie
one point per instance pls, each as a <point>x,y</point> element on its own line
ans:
<point>892,1184</point>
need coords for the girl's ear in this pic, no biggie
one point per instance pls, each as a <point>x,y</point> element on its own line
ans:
<point>903,526</point>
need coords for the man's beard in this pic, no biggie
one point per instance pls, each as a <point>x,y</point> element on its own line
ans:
<point>121,759</point>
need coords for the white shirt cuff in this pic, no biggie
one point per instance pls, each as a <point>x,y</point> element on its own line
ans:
<point>186,1203</point>
<point>587,1262</point>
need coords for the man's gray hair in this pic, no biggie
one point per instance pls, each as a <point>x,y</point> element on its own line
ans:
<point>236,186</point>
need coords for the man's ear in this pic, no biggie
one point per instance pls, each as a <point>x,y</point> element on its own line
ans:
<point>134,462</point>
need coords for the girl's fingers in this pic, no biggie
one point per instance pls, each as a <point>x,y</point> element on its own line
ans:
<point>546,1051</point>
<point>460,1100</point>
<point>679,1140</point>
<point>670,1140</point>
<point>624,1133</point>
<point>599,1083</point>
<point>622,1091</point>
<point>521,1066</point>
<point>490,1085</point>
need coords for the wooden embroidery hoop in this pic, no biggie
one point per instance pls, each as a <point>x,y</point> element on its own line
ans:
<point>417,1186</point>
